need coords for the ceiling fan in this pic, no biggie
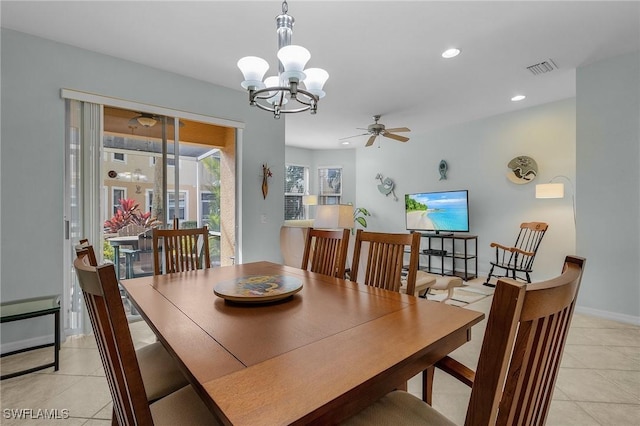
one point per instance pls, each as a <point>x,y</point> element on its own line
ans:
<point>376,129</point>
<point>144,119</point>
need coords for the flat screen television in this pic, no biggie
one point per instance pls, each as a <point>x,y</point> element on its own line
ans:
<point>437,212</point>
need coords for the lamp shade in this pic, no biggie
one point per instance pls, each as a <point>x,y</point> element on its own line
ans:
<point>293,57</point>
<point>334,216</point>
<point>316,78</point>
<point>550,190</point>
<point>275,95</point>
<point>253,69</point>
<point>310,200</point>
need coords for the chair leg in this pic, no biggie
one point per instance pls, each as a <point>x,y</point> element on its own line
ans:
<point>487,283</point>
<point>427,384</point>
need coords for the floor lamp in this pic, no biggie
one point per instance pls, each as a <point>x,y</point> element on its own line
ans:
<point>556,190</point>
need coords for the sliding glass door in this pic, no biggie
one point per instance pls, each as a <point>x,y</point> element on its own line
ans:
<point>125,174</point>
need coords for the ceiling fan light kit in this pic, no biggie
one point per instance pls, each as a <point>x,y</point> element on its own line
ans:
<point>144,119</point>
<point>275,92</point>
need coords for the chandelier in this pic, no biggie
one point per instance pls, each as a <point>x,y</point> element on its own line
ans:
<point>276,91</point>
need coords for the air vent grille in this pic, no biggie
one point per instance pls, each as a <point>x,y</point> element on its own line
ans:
<point>542,67</point>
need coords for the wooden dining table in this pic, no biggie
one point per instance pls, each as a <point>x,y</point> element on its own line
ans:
<point>318,356</point>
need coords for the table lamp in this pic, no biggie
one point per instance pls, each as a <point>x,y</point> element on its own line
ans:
<point>334,216</point>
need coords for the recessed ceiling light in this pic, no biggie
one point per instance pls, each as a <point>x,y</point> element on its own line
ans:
<point>450,53</point>
<point>345,143</point>
<point>518,98</point>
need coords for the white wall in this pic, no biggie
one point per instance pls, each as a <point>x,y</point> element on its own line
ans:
<point>477,154</point>
<point>32,153</point>
<point>608,154</point>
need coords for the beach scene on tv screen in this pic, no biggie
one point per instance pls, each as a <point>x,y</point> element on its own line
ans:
<point>437,211</point>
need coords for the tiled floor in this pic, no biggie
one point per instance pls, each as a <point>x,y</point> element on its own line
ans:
<point>598,383</point>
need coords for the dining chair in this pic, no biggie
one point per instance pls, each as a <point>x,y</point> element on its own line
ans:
<point>325,251</point>
<point>385,259</point>
<point>527,328</point>
<point>183,250</point>
<point>131,405</point>
<point>160,372</point>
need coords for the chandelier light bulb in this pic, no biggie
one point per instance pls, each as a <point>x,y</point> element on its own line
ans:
<point>253,69</point>
<point>274,95</point>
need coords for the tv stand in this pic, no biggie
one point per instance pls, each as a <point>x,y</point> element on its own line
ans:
<point>437,234</point>
<point>451,246</point>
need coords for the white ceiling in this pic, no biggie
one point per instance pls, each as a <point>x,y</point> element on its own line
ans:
<point>383,57</point>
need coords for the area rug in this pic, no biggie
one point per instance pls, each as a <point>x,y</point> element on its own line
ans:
<point>471,292</point>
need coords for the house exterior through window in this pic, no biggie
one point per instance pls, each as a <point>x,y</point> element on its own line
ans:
<point>296,184</point>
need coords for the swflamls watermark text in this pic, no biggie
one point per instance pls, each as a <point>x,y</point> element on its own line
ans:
<point>35,413</point>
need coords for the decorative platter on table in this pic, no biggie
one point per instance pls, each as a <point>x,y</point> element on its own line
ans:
<point>258,288</point>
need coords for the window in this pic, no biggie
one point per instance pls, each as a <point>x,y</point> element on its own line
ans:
<point>182,205</point>
<point>119,157</point>
<point>117,194</point>
<point>210,210</point>
<point>296,184</point>
<point>329,185</point>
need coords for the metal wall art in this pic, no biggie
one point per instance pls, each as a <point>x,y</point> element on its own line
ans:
<point>522,170</point>
<point>386,186</point>
<point>442,168</point>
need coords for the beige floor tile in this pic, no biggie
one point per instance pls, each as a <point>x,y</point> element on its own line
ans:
<point>452,405</point>
<point>629,381</point>
<point>601,357</point>
<point>616,336</point>
<point>559,395</point>
<point>85,399</point>
<point>568,413</point>
<point>613,414</point>
<point>33,420</point>
<point>97,422</point>
<point>570,361</point>
<point>587,321</point>
<point>32,390</point>
<point>584,385</point>
<point>630,351</point>
<point>79,361</point>
<point>106,412</point>
<point>80,341</point>
<point>25,360</point>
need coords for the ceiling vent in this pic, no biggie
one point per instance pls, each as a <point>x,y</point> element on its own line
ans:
<point>543,67</point>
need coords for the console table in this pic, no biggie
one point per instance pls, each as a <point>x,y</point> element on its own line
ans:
<point>456,247</point>
<point>30,308</point>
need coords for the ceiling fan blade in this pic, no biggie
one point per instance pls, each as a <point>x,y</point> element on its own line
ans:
<point>371,140</point>
<point>396,137</point>
<point>354,136</point>
<point>398,129</point>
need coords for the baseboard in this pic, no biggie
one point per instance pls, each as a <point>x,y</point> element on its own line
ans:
<point>614,316</point>
<point>26,343</point>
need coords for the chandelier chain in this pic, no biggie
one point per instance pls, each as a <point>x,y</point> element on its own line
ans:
<point>285,7</point>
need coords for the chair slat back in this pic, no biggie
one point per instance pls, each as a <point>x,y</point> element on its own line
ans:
<point>102,297</point>
<point>84,247</point>
<point>183,249</point>
<point>325,252</point>
<point>524,340</point>
<point>385,259</point>
<point>529,239</point>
